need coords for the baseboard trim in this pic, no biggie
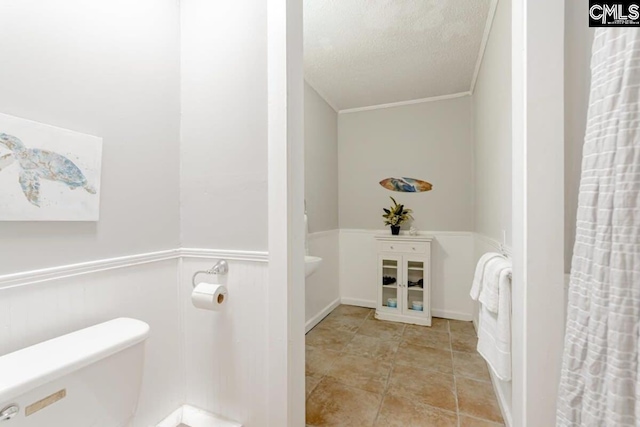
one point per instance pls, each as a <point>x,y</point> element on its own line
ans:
<point>453,315</point>
<point>445,314</point>
<point>358,302</point>
<point>311,323</point>
<point>71,270</point>
<point>502,399</point>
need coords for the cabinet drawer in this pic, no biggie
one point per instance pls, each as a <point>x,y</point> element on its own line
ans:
<point>404,247</point>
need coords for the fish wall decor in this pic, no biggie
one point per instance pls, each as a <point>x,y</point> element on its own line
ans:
<point>406,185</point>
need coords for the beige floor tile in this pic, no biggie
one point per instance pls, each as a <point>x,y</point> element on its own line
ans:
<point>466,421</point>
<point>341,323</point>
<point>477,398</point>
<point>318,361</point>
<point>376,348</point>
<point>353,358</point>
<point>361,372</point>
<point>470,365</point>
<point>424,357</point>
<point>460,327</point>
<point>333,404</point>
<point>427,387</point>
<point>424,336</point>
<point>380,329</point>
<point>439,325</point>
<point>351,311</point>
<point>328,339</point>
<point>464,342</point>
<point>310,383</point>
<point>397,411</point>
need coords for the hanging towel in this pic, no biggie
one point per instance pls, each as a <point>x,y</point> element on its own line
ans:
<point>494,329</point>
<point>497,269</point>
<point>476,285</point>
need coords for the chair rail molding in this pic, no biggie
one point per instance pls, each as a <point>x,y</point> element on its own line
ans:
<point>71,270</point>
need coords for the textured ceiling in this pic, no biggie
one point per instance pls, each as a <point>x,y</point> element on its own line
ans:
<point>368,52</point>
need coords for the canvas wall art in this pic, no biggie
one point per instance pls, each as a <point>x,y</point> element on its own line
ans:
<point>406,185</point>
<point>48,173</point>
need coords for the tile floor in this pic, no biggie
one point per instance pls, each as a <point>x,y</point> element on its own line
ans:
<point>364,372</point>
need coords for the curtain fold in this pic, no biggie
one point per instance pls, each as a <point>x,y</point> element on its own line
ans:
<point>599,382</point>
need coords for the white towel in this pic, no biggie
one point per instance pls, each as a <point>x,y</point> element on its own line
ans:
<point>496,270</point>
<point>476,286</point>
<point>494,331</point>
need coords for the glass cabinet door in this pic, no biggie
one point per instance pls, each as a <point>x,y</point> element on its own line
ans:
<point>391,278</point>
<point>415,303</point>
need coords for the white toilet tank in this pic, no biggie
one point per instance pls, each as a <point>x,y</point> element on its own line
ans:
<point>88,378</point>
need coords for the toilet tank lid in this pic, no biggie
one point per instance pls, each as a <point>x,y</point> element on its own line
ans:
<point>31,367</point>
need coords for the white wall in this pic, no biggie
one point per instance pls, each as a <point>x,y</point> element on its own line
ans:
<point>452,266</point>
<point>491,102</point>
<point>577,72</point>
<point>493,156</point>
<point>224,124</point>
<point>224,204</point>
<point>429,141</point>
<point>34,312</point>
<point>322,291</point>
<point>113,69</point>
<point>320,161</point>
<point>504,389</point>
<point>106,68</point>
<point>225,351</point>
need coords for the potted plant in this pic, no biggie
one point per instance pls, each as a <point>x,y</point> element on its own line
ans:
<point>396,216</point>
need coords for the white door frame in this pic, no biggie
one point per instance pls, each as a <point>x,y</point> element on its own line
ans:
<point>538,208</point>
<point>286,302</point>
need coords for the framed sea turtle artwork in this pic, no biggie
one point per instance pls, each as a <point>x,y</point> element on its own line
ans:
<point>48,173</point>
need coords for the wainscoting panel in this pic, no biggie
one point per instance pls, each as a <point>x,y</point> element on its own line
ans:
<point>452,266</point>
<point>323,287</point>
<point>484,244</point>
<point>62,302</point>
<point>225,351</point>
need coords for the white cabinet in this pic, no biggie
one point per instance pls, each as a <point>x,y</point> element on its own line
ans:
<point>404,279</point>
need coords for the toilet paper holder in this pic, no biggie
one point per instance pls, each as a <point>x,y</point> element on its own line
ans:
<point>221,267</point>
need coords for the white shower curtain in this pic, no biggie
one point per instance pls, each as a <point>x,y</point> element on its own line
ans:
<point>600,382</point>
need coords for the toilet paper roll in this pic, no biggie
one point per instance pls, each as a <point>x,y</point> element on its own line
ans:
<point>208,296</point>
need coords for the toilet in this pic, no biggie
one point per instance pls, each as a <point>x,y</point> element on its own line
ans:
<point>90,377</point>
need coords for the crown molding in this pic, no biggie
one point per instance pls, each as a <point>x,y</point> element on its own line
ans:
<point>483,45</point>
<point>403,103</point>
<point>323,96</point>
